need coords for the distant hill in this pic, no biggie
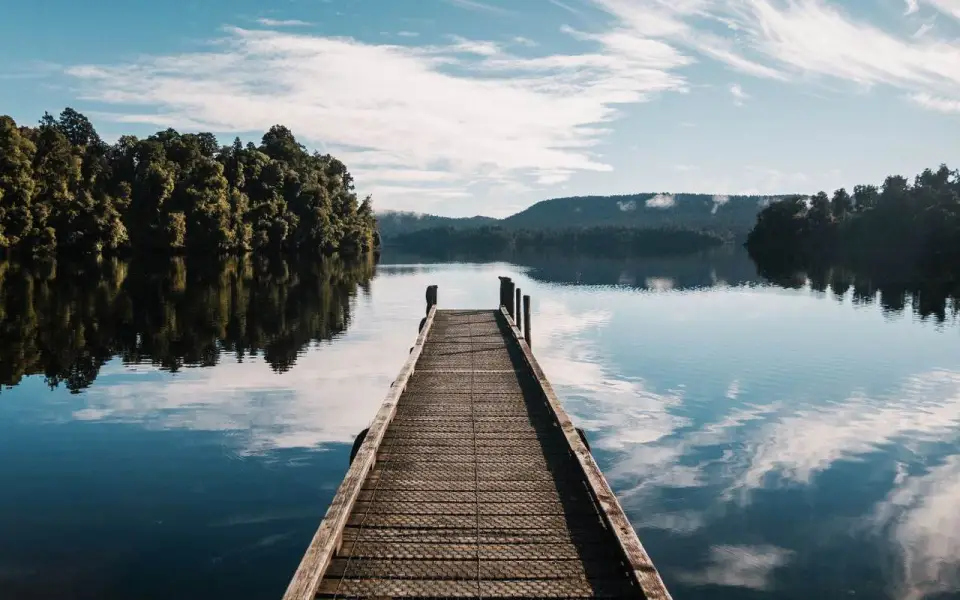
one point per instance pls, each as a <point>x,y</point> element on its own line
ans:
<point>725,214</point>
<point>396,223</point>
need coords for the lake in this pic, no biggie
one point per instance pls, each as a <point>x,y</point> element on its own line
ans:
<point>174,430</point>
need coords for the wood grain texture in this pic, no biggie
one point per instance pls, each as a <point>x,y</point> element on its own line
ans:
<point>642,568</point>
<point>326,541</point>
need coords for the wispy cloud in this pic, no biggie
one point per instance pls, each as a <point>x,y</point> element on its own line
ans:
<point>282,22</point>
<point>944,105</point>
<point>567,7</point>
<point>921,516</point>
<point>661,201</point>
<point>408,34</point>
<point>386,107</point>
<point>783,40</point>
<point>947,7</point>
<point>809,440</point>
<point>476,5</point>
<point>739,96</point>
<point>912,7</point>
<point>740,566</point>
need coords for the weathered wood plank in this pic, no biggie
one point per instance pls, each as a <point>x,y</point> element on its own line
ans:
<point>643,570</point>
<point>326,540</point>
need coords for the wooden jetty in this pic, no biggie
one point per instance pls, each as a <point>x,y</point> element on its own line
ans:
<point>472,482</point>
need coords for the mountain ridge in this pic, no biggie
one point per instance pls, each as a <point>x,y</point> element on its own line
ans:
<point>735,214</point>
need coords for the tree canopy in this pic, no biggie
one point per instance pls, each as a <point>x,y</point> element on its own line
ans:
<point>62,189</point>
<point>900,230</point>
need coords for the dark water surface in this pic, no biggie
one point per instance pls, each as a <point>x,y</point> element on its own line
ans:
<point>177,430</point>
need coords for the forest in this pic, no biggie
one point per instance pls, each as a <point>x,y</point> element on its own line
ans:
<point>64,190</point>
<point>65,320</point>
<point>899,231</point>
<point>495,242</point>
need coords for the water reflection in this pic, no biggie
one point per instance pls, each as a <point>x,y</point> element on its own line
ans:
<point>66,320</point>
<point>767,441</point>
<point>723,266</point>
<point>895,292</point>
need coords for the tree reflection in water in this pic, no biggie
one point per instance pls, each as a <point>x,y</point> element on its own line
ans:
<point>65,321</point>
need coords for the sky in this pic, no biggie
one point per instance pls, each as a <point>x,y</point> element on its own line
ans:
<point>463,107</point>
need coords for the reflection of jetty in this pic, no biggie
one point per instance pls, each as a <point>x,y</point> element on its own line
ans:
<point>473,482</point>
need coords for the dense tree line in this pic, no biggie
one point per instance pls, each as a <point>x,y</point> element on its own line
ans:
<point>63,189</point>
<point>65,320</point>
<point>898,231</point>
<point>590,241</point>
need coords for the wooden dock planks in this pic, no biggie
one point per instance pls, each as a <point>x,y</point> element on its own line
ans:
<point>473,483</point>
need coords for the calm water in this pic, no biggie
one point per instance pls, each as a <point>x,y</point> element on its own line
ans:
<point>175,431</point>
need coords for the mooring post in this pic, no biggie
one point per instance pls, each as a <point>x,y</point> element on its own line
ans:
<point>517,320</point>
<point>526,320</point>
<point>506,295</point>
<point>431,297</point>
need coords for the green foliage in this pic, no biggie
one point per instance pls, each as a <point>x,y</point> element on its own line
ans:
<point>900,229</point>
<point>592,241</point>
<point>62,189</point>
<point>65,319</point>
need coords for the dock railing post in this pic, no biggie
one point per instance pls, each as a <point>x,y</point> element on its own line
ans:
<point>517,304</point>
<point>526,320</point>
<point>503,291</point>
<point>506,296</point>
<point>431,297</point>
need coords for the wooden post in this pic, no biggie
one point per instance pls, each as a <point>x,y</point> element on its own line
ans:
<point>506,295</point>
<point>526,320</point>
<point>503,290</point>
<point>517,319</point>
<point>431,297</point>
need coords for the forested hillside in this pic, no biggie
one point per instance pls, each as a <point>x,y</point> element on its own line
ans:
<point>725,215</point>
<point>394,223</point>
<point>62,189</point>
<point>497,242</point>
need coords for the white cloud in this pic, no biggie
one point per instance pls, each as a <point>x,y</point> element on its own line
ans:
<point>567,7</point>
<point>922,518</point>
<point>923,30</point>
<point>390,107</point>
<point>718,201</point>
<point>408,34</point>
<point>733,390</point>
<point>282,22</point>
<point>740,566</point>
<point>912,6</point>
<point>627,206</point>
<point>477,6</point>
<point>784,40</point>
<point>661,201</point>
<point>738,94</point>
<point>944,105</point>
<point>524,41</point>
<point>684,168</point>
<point>478,47</point>
<point>806,441</point>
<point>948,7</point>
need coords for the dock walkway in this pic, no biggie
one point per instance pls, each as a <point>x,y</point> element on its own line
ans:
<point>473,483</point>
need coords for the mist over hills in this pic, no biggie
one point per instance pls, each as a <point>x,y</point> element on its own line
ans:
<point>735,215</point>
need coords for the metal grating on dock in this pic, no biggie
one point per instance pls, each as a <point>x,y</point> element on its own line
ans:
<point>470,487</point>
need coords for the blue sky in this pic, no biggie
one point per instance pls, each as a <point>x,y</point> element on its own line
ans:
<point>463,107</point>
